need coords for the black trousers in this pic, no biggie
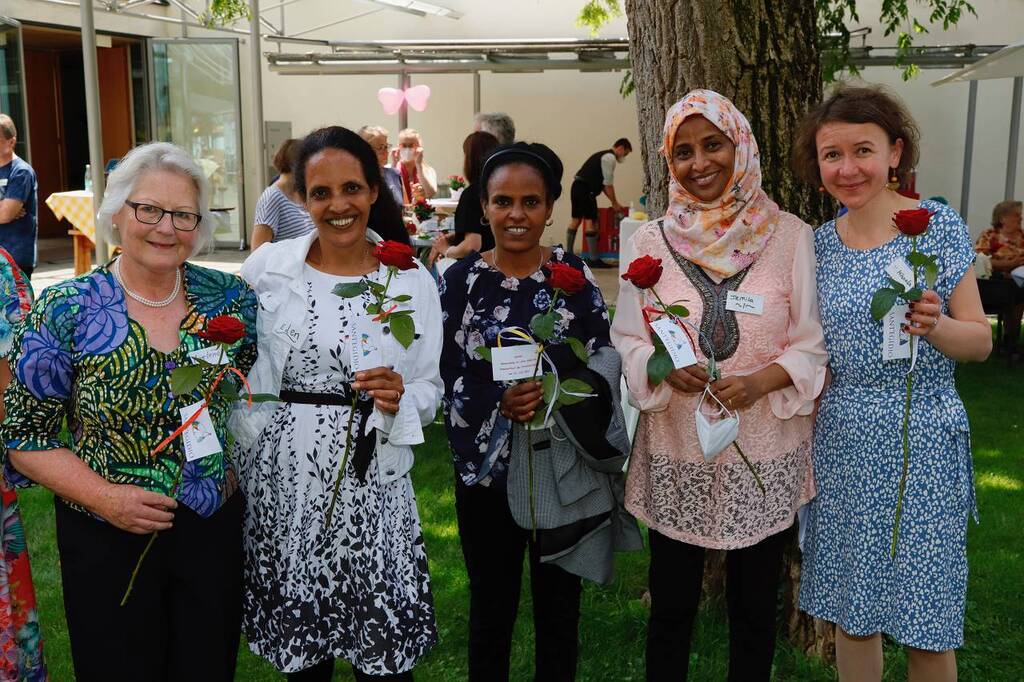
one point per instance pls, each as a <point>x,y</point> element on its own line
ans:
<point>324,671</point>
<point>183,618</point>
<point>752,585</point>
<point>493,546</point>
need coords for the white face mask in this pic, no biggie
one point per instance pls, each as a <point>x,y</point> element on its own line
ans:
<point>715,434</point>
<point>406,153</point>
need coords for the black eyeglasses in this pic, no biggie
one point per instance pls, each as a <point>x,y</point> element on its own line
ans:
<point>151,215</point>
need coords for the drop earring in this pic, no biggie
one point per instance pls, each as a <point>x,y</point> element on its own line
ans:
<point>894,181</point>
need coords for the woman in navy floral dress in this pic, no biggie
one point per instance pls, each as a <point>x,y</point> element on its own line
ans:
<point>852,144</point>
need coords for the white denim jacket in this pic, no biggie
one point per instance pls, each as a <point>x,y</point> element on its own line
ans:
<point>274,272</point>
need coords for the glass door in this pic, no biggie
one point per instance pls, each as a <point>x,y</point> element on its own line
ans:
<point>12,82</point>
<point>197,105</point>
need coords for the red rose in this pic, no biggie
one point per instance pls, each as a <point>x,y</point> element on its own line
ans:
<point>395,255</point>
<point>223,329</point>
<point>565,277</point>
<point>912,222</point>
<point>644,272</point>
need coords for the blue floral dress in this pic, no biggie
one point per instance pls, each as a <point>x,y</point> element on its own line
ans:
<point>85,377</point>
<point>848,577</point>
<point>477,302</point>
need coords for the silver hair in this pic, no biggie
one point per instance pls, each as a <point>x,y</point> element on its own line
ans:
<point>498,124</point>
<point>150,157</point>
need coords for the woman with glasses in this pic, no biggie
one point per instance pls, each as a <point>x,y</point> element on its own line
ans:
<point>419,179</point>
<point>90,401</point>
<point>378,139</point>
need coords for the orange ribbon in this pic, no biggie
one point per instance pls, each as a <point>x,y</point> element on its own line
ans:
<point>384,313</point>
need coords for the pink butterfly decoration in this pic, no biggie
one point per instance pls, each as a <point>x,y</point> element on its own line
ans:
<point>391,98</point>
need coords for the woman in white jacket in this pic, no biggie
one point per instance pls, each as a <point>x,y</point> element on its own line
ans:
<point>356,588</point>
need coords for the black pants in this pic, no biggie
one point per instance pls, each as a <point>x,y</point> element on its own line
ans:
<point>183,618</point>
<point>324,670</point>
<point>493,546</point>
<point>752,585</point>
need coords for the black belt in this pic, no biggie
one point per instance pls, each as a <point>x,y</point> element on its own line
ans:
<point>365,443</point>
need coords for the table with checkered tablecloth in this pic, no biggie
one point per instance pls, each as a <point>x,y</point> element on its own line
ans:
<point>77,207</point>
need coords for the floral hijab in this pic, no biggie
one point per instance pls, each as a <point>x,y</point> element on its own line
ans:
<point>726,235</point>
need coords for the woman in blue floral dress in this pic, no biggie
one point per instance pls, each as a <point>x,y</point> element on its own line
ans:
<point>21,646</point>
<point>91,399</point>
<point>858,145</point>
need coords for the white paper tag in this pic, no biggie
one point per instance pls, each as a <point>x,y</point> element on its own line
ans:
<point>365,345</point>
<point>895,341</point>
<point>677,343</point>
<point>509,363</point>
<point>200,438</point>
<point>743,302</point>
<point>900,271</point>
<point>211,355</point>
<point>289,332</point>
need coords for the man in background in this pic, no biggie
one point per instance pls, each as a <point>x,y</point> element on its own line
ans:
<point>498,124</point>
<point>18,189</point>
<point>595,176</point>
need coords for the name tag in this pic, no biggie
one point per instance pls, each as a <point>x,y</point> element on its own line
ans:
<point>742,302</point>
<point>677,343</point>
<point>200,438</point>
<point>365,346</point>
<point>213,355</point>
<point>900,271</point>
<point>286,330</point>
<point>895,341</point>
<point>510,363</point>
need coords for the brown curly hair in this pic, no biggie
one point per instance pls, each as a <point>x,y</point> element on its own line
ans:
<point>856,104</point>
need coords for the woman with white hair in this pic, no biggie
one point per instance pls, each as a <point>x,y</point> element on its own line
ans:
<point>90,401</point>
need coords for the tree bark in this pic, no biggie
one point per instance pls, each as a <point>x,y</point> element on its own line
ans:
<point>763,55</point>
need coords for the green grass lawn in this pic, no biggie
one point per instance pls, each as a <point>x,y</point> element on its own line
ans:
<point>614,618</point>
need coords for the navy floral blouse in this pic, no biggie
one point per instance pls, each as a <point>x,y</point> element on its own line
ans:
<point>477,302</point>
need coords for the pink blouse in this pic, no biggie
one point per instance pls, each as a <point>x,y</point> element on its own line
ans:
<point>718,504</point>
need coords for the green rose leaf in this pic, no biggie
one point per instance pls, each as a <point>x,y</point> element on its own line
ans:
<point>913,295</point>
<point>881,302</point>
<point>918,259</point>
<point>578,348</point>
<point>659,366</point>
<point>184,379</point>
<point>931,274</point>
<point>548,386</point>
<point>228,390</point>
<point>373,309</point>
<point>375,287</point>
<point>484,352</point>
<point>262,398</point>
<point>350,289</point>
<point>543,325</point>
<point>402,298</point>
<point>539,417</point>
<point>574,386</point>
<point>678,310</point>
<point>403,329</point>
<point>897,286</point>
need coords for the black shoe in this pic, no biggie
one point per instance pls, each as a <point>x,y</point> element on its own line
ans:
<point>597,264</point>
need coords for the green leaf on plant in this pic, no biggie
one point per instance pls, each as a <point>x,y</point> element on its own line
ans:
<point>484,352</point>
<point>678,310</point>
<point>228,390</point>
<point>931,274</point>
<point>402,298</point>
<point>184,379</point>
<point>350,289</point>
<point>659,366</point>
<point>539,417</point>
<point>262,398</point>
<point>918,259</point>
<point>881,302</point>
<point>543,325</point>
<point>548,386</point>
<point>574,386</point>
<point>375,287</point>
<point>403,329</point>
<point>400,313</point>
<point>373,309</point>
<point>578,348</point>
<point>913,295</point>
<point>897,286</point>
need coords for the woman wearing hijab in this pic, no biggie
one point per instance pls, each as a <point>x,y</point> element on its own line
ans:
<point>723,241</point>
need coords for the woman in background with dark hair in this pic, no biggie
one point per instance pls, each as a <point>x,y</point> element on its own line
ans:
<point>472,233</point>
<point>357,589</point>
<point>279,211</point>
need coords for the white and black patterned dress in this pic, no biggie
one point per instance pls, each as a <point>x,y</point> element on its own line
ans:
<point>361,591</point>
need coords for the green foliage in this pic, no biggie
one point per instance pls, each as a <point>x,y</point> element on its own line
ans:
<point>660,364</point>
<point>484,352</point>
<point>184,379</point>
<point>596,13</point>
<point>351,289</point>
<point>402,327</point>
<point>578,349</point>
<point>882,301</point>
<point>543,325</point>
<point>225,13</point>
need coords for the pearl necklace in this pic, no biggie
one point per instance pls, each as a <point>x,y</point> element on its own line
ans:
<point>142,299</point>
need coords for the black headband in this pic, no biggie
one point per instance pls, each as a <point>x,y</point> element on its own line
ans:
<point>518,151</point>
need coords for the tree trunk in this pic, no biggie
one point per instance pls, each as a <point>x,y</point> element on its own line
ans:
<point>762,55</point>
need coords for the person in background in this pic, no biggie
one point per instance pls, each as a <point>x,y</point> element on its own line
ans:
<point>498,124</point>
<point>91,400</point>
<point>419,179</point>
<point>1004,244</point>
<point>378,139</point>
<point>595,176</point>
<point>279,211</point>
<point>472,231</point>
<point>858,145</point>
<point>19,619</point>
<point>716,238</point>
<point>18,200</point>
